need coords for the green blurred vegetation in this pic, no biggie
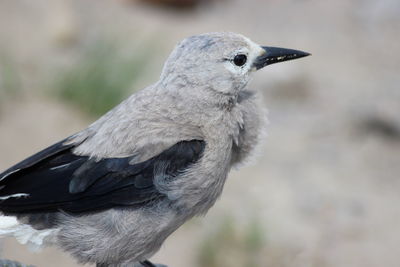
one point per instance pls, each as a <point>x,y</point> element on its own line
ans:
<point>10,80</point>
<point>232,245</point>
<point>102,78</point>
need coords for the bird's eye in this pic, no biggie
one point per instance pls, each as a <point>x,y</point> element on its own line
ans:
<point>240,60</point>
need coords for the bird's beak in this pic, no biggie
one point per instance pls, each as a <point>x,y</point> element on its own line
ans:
<point>273,55</point>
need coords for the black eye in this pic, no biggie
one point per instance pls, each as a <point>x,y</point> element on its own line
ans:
<point>240,60</point>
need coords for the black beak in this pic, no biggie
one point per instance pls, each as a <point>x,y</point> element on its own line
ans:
<point>275,55</point>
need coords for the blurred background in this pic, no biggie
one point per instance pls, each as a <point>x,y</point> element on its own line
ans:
<point>325,190</point>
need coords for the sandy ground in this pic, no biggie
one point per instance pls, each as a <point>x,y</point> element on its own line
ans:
<point>326,185</point>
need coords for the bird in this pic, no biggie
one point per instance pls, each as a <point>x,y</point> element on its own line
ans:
<point>112,193</point>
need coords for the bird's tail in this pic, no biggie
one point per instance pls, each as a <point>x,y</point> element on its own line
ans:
<point>25,234</point>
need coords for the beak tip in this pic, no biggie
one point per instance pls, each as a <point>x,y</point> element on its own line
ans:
<point>277,54</point>
<point>300,54</point>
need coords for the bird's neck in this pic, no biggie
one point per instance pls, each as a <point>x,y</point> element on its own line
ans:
<point>220,95</point>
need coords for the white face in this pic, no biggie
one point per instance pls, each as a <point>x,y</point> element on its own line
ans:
<point>248,53</point>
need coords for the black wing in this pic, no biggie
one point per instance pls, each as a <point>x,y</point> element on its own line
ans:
<point>56,179</point>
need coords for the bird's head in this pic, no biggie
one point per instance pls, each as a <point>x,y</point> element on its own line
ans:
<point>221,61</point>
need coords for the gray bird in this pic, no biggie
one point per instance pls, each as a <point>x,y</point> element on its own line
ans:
<point>112,193</point>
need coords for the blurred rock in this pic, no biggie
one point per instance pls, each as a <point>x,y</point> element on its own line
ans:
<point>380,126</point>
<point>176,3</point>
